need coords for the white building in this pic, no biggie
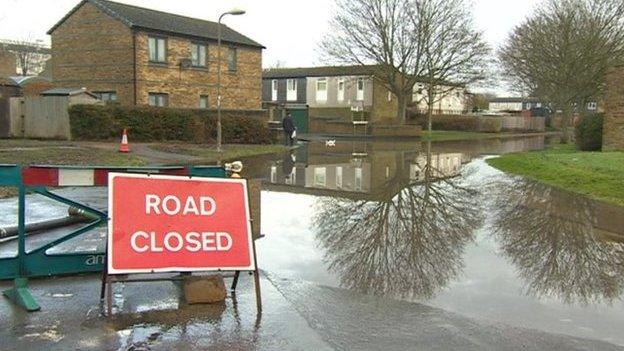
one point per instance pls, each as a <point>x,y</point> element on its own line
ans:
<point>449,101</point>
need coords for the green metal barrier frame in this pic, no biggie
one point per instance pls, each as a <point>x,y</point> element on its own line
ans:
<point>39,263</point>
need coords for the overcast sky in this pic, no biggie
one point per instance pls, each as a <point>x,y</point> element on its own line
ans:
<point>290,29</point>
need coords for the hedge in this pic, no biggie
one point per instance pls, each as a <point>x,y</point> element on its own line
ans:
<point>588,132</point>
<point>95,122</point>
<point>448,122</point>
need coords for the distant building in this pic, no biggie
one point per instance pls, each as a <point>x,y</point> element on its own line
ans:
<point>450,99</point>
<point>343,92</point>
<point>513,104</point>
<point>138,56</point>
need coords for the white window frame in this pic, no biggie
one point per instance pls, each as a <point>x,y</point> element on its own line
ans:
<point>339,177</point>
<point>291,89</point>
<point>157,49</point>
<point>592,106</point>
<point>321,95</point>
<point>274,90</point>
<point>203,101</point>
<point>106,96</point>
<point>360,89</point>
<point>341,90</point>
<point>198,54</point>
<point>158,99</point>
<point>273,174</point>
<point>358,179</point>
<point>232,59</point>
<point>320,176</point>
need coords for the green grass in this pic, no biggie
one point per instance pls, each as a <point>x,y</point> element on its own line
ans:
<point>599,175</point>
<point>442,135</point>
<point>29,152</point>
<point>208,153</point>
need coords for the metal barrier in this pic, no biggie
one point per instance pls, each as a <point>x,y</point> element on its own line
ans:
<point>38,262</point>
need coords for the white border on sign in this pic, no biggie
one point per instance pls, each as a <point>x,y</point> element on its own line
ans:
<point>172,269</point>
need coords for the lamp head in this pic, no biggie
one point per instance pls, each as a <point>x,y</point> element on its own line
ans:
<point>236,12</point>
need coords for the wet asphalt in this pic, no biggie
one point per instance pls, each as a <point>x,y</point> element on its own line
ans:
<point>305,308</point>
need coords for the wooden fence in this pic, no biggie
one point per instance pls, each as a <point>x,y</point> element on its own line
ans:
<point>41,117</point>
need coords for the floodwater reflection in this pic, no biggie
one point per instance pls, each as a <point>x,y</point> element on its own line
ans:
<point>409,245</point>
<point>562,244</point>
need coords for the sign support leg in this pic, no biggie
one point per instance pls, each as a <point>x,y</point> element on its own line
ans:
<point>235,281</point>
<point>104,278</point>
<point>19,293</point>
<point>256,274</point>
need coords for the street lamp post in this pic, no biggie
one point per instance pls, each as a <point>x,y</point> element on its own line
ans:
<point>234,12</point>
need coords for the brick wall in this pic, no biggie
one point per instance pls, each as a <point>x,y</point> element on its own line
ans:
<point>240,89</point>
<point>613,129</point>
<point>8,64</point>
<point>383,110</point>
<point>92,50</point>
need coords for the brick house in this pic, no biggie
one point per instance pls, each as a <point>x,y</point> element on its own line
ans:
<point>138,56</point>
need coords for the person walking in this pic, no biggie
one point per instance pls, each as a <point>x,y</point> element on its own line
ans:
<point>289,129</point>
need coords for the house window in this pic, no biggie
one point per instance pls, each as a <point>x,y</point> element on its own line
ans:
<point>232,59</point>
<point>358,179</point>
<point>320,176</point>
<point>157,49</point>
<point>291,90</point>
<point>338,177</point>
<point>360,89</point>
<point>198,55</point>
<point>274,90</point>
<point>203,101</point>
<point>273,174</point>
<point>341,89</point>
<point>106,95</point>
<point>592,105</point>
<point>321,89</point>
<point>158,99</point>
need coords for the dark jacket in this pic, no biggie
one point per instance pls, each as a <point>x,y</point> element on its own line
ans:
<point>288,124</point>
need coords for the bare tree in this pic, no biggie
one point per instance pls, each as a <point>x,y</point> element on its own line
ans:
<point>549,235</point>
<point>31,56</point>
<point>432,41</point>
<point>410,245</point>
<point>455,54</point>
<point>563,51</point>
<point>380,33</point>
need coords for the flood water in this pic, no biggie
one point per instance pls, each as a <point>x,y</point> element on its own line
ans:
<point>433,223</point>
<point>429,223</point>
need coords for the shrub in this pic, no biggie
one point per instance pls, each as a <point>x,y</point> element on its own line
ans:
<point>93,122</point>
<point>446,122</point>
<point>588,132</point>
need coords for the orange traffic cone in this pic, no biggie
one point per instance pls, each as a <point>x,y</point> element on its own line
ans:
<point>124,146</point>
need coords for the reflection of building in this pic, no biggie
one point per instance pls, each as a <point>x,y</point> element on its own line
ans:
<point>376,173</point>
<point>442,166</point>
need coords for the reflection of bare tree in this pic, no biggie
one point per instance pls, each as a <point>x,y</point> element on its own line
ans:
<point>549,235</point>
<point>408,246</point>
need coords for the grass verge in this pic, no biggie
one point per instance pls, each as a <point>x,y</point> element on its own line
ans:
<point>599,175</point>
<point>208,153</point>
<point>442,135</point>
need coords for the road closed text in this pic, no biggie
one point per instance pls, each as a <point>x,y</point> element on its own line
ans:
<point>174,242</point>
<point>194,241</point>
<point>163,223</point>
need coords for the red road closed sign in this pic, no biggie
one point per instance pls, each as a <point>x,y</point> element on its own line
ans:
<point>176,224</point>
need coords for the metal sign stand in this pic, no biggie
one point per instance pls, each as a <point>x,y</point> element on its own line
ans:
<point>38,263</point>
<point>106,290</point>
